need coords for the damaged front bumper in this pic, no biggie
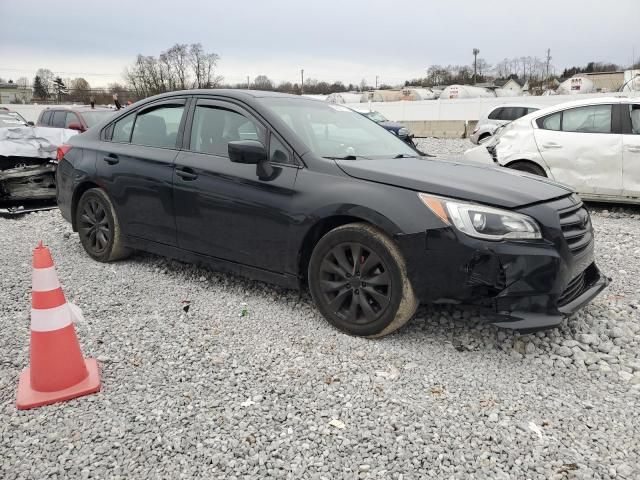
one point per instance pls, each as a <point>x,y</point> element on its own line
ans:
<point>518,285</point>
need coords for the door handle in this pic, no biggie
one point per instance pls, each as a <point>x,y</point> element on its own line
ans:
<point>551,145</point>
<point>186,173</point>
<point>111,159</point>
<point>634,149</point>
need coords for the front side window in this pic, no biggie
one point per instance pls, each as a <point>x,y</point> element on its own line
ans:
<point>71,118</point>
<point>634,111</point>
<point>59,119</point>
<point>46,118</point>
<point>158,127</point>
<point>511,113</point>
<point>591,119</point>
<point>122,129</point>
<point>496,114</point>
<point>278,153</point>
<point>214,127</point>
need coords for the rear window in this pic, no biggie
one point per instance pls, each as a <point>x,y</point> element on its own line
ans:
<point>550,122</point>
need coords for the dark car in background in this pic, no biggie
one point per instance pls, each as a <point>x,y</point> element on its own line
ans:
<point>74,118</point>
<point>300,192</point>
<point>402,132</point>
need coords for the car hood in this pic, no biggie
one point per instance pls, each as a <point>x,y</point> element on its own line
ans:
<point>496,186</point>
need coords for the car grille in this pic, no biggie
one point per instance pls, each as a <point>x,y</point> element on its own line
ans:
<point>573,290</point>
<point>576,227</point>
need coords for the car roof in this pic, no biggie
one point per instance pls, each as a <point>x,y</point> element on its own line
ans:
<point>238,94</point>
<point>79,108</point>
<point>581,103</point>
<point>518,105</point>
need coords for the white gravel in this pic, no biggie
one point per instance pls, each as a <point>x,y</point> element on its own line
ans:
<point>252,382</point>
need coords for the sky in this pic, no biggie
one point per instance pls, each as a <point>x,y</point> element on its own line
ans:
<point>331,40</point>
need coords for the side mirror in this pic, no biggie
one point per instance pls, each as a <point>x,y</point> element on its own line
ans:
<point>75,126</point>
<point>249,152</point>
<point>30,123</point>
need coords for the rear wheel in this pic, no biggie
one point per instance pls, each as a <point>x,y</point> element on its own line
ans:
<point>98,227</point>
<point>484,137</point>
<point>528,167</point>
<point>358,280</point>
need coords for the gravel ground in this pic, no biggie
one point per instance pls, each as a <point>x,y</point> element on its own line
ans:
<point>444,147</point>
<point>252,383</point>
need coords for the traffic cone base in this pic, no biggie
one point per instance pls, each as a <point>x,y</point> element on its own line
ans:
<point>27,397</point>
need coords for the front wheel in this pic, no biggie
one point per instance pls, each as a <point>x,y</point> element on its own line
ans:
<point>98,227</point>
<point>358,280</point>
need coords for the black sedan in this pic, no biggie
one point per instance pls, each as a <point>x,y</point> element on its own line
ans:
<point>402,132</point>
<point>299,192</point>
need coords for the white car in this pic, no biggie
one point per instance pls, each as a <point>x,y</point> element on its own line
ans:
<point>498,116</point>
<point>591,145</point>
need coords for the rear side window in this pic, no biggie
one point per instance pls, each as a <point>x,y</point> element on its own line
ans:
<point>122,129</point>
<point>46,118</point>
<point>495,115</point>
<point>591,119</point>
<point>531,110</point>
<point>59,119</point>
<point>213,129</point>
<point>550,122</point>
<point>158,127</point>
<point>634,111</point>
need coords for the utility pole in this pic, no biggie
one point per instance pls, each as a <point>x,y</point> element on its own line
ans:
<point>376,82</point>
<point>301,81</point>
<point>475,65</point>
<point>248,83</point>
<point>548,62</point>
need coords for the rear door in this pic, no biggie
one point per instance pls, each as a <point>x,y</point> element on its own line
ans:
<point>631,149</point>
<point>582,147</point>
<point>136,169</point>
<point>222,208</point>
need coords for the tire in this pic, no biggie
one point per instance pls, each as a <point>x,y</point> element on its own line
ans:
<point>529,167</point>
<point>347,299</point>
<point>98,227</point>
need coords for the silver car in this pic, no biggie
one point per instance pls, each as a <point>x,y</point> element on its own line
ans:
<point>592,145</point>
<point>498,116</point>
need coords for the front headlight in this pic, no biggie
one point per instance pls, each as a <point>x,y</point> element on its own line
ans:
<point>483,222</point>
<point>403,132</point>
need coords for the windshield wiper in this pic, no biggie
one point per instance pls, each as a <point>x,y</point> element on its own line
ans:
<point>404,155</point>
<point>346,157</point>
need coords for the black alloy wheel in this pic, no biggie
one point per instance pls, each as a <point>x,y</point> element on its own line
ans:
<point>358,280</point>
<point>98,227</point>
<point>94,226</point>
<point>355,283</point>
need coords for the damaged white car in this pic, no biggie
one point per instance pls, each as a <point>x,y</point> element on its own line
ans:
<point>591,145</point>
<point>27,167</point>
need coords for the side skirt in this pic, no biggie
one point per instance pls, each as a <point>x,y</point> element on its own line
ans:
<point>217,264</point>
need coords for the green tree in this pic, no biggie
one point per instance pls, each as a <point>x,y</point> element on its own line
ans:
<point>38,88</point>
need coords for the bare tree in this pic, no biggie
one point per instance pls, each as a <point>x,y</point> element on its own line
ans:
<point>46,79</point>
<point>262,82</point>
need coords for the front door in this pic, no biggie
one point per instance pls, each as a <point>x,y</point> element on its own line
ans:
<point>582,149</point>
<point>136,169</point>
<point>222,208</point>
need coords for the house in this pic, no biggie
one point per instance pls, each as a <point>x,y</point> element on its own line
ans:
<point>13,93</point>
<point>511,84</point>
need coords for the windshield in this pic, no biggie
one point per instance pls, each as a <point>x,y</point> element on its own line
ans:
<point>91,118</point>
<point>11,119</point>
<point>376,116</point>
<point>335,131</point>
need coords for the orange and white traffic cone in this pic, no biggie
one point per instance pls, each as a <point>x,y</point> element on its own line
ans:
<point>58,371</point>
